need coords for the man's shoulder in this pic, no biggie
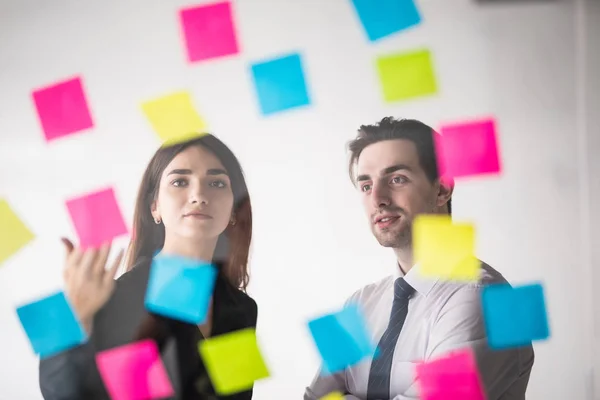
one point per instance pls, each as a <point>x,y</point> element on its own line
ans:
<point>487,276</point>
<point>372,291</point>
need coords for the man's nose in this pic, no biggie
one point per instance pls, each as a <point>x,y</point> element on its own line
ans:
<point>380,196</point>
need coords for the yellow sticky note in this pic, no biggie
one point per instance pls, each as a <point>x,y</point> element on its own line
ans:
<point>233,361</point>
<point>406,75</point>
<point>174,118</point>
<point>333,396</point>
<point>445,249</point>
<point>13,233</point>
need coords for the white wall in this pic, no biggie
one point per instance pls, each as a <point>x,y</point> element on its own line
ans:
<point>312,246</point>
<point>591,124</point>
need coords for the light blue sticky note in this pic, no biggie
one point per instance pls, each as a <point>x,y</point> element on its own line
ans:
<point>51,325</point>
<point>341,338</point>
<point>180,288</point>
<point>280,84</point>
<point>381,18</point>
<point>516,316</point>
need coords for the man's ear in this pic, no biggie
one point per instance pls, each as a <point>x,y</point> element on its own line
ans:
<point>445,190</point>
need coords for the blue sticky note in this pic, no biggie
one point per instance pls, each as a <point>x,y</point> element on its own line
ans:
<point>514,316</point>
<point>51,325</point>
<point>280,84</point>
<point>180,288</point>
<point>341,339</point>
<point>381,18</point>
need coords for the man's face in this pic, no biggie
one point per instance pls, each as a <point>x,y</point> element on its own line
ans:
<point>394,190</point>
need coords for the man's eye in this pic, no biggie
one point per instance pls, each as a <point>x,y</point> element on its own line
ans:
<point>365,188</point>
<point>399,179</point>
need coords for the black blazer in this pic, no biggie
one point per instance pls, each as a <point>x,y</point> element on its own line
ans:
<point>73,375</point>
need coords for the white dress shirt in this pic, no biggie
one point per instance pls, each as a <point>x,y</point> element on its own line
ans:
<point>442,316</point>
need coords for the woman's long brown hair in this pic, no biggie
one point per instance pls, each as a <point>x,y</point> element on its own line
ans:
<point>233,245</point>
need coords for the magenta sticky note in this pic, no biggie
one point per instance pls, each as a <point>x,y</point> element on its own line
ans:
<point>450,377</point>
<point>467,149</point>
<point>62,109</point>
<point>209,31</point>
<point>134,372</point>
<point>97,218</point>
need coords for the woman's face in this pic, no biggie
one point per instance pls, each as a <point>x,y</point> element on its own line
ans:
<point>195,199</point>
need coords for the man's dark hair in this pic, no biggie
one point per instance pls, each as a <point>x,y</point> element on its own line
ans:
<point>390,128</point>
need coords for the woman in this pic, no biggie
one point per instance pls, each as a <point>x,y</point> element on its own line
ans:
<point>193,202</point>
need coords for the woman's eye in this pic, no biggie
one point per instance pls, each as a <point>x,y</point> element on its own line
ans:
<point>179,182</point>
<point>218,183</point>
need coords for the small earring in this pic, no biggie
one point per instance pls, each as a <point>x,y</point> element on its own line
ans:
<point>157,221</point>
<point>232,222</point>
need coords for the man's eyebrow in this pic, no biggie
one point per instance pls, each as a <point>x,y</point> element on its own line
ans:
<point>385,171</point>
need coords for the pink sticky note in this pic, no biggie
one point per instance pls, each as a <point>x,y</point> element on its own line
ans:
<point>134,372</point>
<point>62,109</point>
<point>452,377</point>
<point>467,149</point>
<point>209,31</point>
<point>97,218</point>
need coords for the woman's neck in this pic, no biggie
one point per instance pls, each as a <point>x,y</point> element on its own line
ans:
<point>195,249</point>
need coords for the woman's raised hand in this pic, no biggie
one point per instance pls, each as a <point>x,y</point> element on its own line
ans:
<point>88,283</point>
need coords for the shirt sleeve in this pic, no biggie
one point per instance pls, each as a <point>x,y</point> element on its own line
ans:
<point>63,376</point>
<point>459,325</point>
<point>323,384</point>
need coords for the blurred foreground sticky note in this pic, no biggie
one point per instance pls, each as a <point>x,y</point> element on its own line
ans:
<point>174,118</point>
<point>180,288</point>
<point>62,109</point>
<point>341,339</point>
<point>467,149</point>
<point>233,361</point>
<point>51,325</point>
<point>514,316</point>
<point>333,396</point>
<point>280,84</point>
<point>406,76</point>
<point>134,372</point>
<point>97,218</point>
<point>452,377</point>
<point>209,31</point>
<point>445,249</point>
<point>13,232</point>
<point>381,18</point>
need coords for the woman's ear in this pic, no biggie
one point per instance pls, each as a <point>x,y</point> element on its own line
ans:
<point>154,210</point>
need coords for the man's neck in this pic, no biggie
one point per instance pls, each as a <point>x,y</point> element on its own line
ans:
<point>405,259</point>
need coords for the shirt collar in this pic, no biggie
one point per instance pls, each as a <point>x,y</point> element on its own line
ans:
<point>422,284</point>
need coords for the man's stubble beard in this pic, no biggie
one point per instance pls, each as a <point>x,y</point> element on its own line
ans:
<point>400,239</point>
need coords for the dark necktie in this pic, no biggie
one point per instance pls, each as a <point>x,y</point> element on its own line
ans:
<point>381,366</point>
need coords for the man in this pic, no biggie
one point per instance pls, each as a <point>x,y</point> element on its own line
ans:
<point>411,317</point>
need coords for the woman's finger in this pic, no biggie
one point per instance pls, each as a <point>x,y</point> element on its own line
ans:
<point>84,268</point>
<point>68,245</point>
<point>72,263</point>
<point>100,263</point>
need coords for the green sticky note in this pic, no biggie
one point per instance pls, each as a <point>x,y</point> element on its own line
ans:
<point>333,396</point>
<point>233,361</point>
<point>406,75</point>
<point>13,232</point>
